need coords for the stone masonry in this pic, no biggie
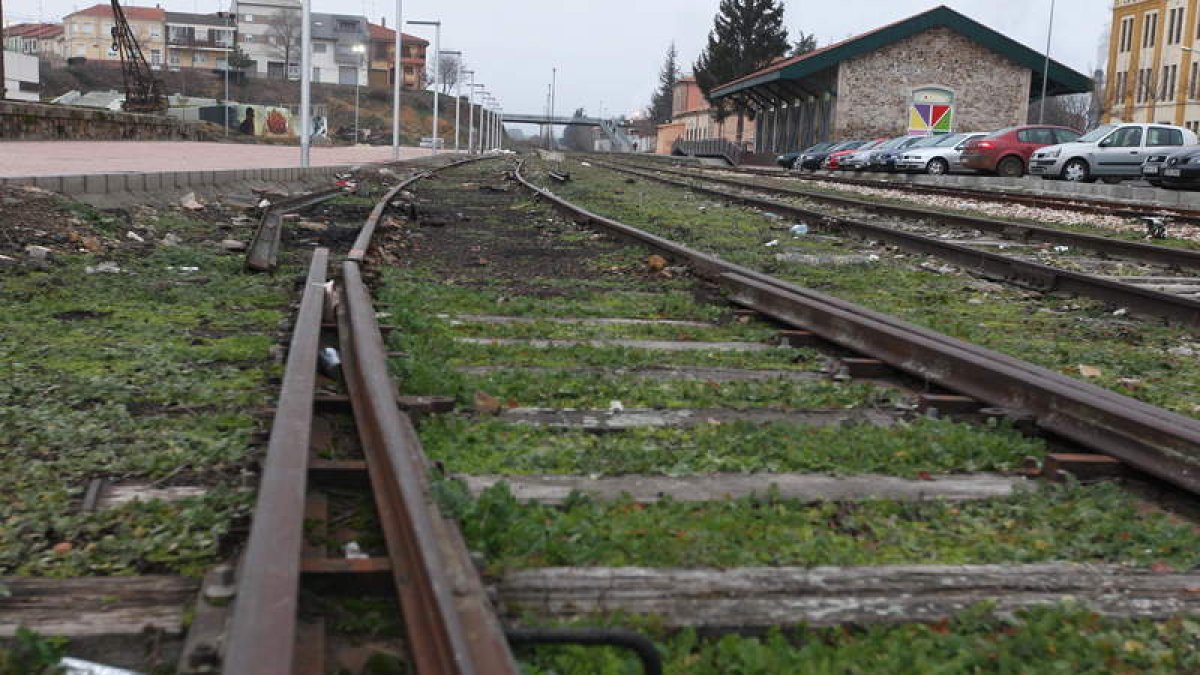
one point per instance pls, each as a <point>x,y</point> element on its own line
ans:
<point>874,90</point>
<point>35,121</point>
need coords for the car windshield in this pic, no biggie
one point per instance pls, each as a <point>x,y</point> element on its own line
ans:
<point>848,145</point>
<point>820,147</point>
<point>999,132</point>
<point>893,143</point>
<point>871,145</point>
<point>949,140</point>
<point>1096,134</point>
<point>926,142</point>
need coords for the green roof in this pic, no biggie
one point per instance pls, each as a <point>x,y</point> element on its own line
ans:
<point>1062,80</point>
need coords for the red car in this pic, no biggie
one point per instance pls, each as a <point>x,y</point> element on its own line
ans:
<point>1006,152</point>
<point>834,160</point>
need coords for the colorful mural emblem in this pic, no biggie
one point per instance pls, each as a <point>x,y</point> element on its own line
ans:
<point>931,112</point>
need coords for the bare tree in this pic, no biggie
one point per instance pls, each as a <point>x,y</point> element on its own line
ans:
<point>1074,111</point>
<point>448,66</point>
<point>284,35</point>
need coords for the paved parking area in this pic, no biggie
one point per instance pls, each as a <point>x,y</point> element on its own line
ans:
<point>56,158</point>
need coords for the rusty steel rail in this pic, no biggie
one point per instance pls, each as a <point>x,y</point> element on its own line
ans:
<point>263,253</point>
<point>1134,250</point>
<point>1151,439</point>
<point>450,626</point>
<point>263,627</point>
<point>1087,203</point>
<point>1037,276</point>
<point>358,252</point>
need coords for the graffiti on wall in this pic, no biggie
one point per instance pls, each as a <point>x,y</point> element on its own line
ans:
<point>931,111</point>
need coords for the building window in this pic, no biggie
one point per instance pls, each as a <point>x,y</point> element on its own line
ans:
<point>316,76</point>
<point>87,28</point>
<point>199,57</point>
<point>319,47</point>
<point>1195,79</point>
<point>346,26</point>
<point>1150,30</point>
<point>173,58</point>
<point>1139,93</point>
<point>1175,26</point>
<point>1119,88</point>
<point>1172,81</point>
<point>248,18</point>
<point>155,57</point>
<point>1126,42</point>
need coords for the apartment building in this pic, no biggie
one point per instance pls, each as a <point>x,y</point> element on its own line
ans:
<point>199,40</point>
<point>340,46</point>
<point>1154,63</point>
<point>383,52</point>
<point>88,33</point>
<point>269,34</point>
<point>43,40</point>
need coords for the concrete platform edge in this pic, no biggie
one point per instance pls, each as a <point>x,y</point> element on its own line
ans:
<point>110,183</point>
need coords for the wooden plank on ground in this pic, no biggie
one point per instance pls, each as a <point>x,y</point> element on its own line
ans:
<point>663,373</point>
<point>620,420</point>
<point>804,487</point>
<point>760,598</point>
<point>95,606</point>
<point>571,321</point>
<point>657,345</point>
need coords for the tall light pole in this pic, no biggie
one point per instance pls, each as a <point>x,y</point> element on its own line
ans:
<point>357,49</point>
<point>399,83</point>
<point>457,88</point>
<point>437,72</point>
<point>305,81</point>
<point>3,88</point>
<point>553,92</point>
<point>470,112</point>
<point>1046,67</point>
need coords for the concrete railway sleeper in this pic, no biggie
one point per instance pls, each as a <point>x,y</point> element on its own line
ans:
<point>1034,275</point>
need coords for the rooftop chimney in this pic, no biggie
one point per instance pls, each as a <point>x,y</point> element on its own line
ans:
<point>383,21</point>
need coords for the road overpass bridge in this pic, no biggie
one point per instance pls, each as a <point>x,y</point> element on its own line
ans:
<point>519,118</point>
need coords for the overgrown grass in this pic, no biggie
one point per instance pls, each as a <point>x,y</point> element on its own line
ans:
<point>144,375</point>
<point>468,445</point>
<point>1065,639</point>
<point>1083,524</point>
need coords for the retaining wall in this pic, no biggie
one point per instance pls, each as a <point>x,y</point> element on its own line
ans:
<point>133,183</point>
<point>38,121</point>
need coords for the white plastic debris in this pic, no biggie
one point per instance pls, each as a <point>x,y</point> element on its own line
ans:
<point>134,236</point>
<point>1061,249</point>
<point>103,268</point>
<point>171,239</point>
<point>1120,312</point>
<point>773,242</point>
<point>799,229</point>
<point>615,406</point>
<point>190,202</point>
<point>353,551</point>
<point>265,203</point>
<point>872,258</point>
<point>584,164</point>
<point>70,666</point>
<point>38,252</point>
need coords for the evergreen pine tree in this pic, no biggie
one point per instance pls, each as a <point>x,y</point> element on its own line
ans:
<point>746,35</point>
<point>663,99</point>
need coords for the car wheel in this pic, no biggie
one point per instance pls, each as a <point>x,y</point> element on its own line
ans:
<point>797,164</point>
<point>1077,171</point>
<point>937,167</point>
<point>1011,167</point>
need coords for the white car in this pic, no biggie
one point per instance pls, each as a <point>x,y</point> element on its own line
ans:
<point>1110,151</point>
<point>938,156</point>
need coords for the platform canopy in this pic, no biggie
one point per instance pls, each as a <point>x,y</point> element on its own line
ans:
<point>815,73</point>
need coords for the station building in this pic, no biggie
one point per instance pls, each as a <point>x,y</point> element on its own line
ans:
<point>935,72</point>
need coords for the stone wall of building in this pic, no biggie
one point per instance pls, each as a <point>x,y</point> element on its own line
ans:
<point>875,90</point>
<point>36,121</point>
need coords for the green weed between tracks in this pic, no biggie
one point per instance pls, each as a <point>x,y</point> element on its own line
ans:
<point>1082,524</point>
<point>146,376</point>
<point>1064,639</point>
<point>467,445</point>
<point>1133,356</point>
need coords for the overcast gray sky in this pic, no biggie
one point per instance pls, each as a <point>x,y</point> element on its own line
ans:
<point>609,52</point>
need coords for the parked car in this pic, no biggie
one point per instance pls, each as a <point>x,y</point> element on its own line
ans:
<point>884,156</point>
<point>1173,170</point>
<point>1007,152</point>
<point>813,160</point>
<point>941,156</point>
<point>789,160</point>
<point>857,160</point>
<point>1110,151</point>
<point>835,157</point>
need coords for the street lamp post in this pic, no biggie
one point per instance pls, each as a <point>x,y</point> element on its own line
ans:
<point>458,72</point>
<point>305,81</point>
<point>470,112</point>
<point>3,88</point>
<point>399,83</point>
<point>357,49</point>
<point>437,72</point>
<point>553,93</point>
<point>1046,67</point>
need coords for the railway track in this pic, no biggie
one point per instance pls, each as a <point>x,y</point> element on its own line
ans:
<point>1141,298</point>
<point>1078,203</point>
<point>593,385</point>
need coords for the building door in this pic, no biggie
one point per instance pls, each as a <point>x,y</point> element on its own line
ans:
<point>276,70</point>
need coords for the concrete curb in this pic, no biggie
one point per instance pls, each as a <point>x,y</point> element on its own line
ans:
<point>1133,195</point>
<point>133,182</point>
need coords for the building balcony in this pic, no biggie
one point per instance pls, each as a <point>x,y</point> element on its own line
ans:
<point>192,43</point>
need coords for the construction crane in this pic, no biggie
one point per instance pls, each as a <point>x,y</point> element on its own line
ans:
<point>143,91</point>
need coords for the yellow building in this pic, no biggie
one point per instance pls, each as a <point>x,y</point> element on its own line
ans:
<point>1154,63</point>
<point>89,33</point>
